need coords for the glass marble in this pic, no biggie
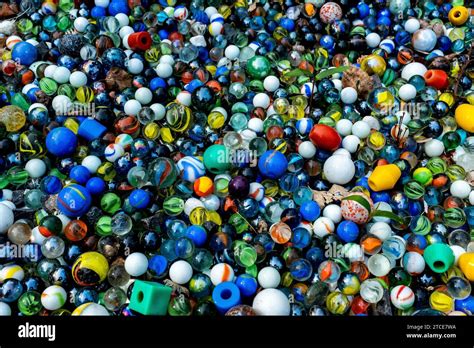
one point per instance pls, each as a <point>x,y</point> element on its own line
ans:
<point>117,276</point>
<point>200,285</point>
<point>114,298</point>
<point>198,79</point>
<point>459,237</point>
<point>413,189</point>
<point>53,247</point>
<point>451,140</point>
<point>337,303</point>
<point>30,303</point>
<point>398,276</point>
<point>394,247</point>
<point>381,99</point>
<point>11,290</point>
<point>349,283</point>
<point>458,288</point>
<point>183,247</point>
<point>329,271</point>
<point>379,265</point>
<point>420,225</point>
<point>180,306</point>
<point>201,260</point>
<point>316,294</point>
<point>75,230</point>
<point>280,233</point>
<point>121,224</point>
<point>258,66</point>
<point>241,310</point>
<point>301,269</point>
<point>454,217</point>
<point>245,255</point>
<point>163,172</point>
<point>19,233</point>
<point>371,290</point>
<point>12,117</point>
<point>33,198</point>
<point>441,301</point>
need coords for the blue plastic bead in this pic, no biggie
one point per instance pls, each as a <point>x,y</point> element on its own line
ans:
<point>90,129</point>
<point>225,296</point>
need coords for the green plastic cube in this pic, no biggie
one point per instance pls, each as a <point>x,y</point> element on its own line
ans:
<point>150,298</point>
